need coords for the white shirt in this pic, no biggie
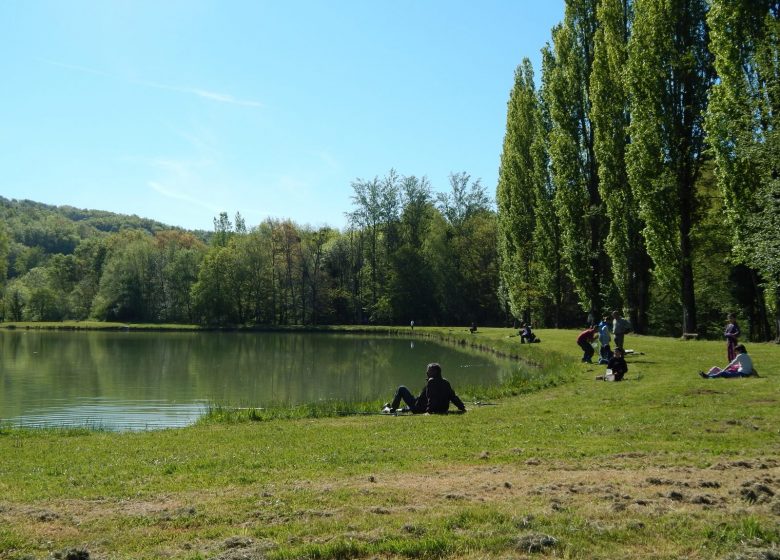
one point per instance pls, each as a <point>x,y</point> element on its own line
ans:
<point>744,362</point>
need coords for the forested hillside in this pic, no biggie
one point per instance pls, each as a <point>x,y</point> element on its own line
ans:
<point>408,254</point>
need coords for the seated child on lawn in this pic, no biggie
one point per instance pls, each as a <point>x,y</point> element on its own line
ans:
<point>616,367</point>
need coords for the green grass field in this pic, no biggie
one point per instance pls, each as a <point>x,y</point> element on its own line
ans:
<point>662,465</point>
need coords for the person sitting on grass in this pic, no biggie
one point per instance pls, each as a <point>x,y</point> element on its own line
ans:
<point>616,367</point>
<point>435,397</point>
<point>585,340</point>
<point>527,335</point>
<point>741,366</point>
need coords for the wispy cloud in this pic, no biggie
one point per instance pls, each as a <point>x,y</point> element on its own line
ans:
<point>198,92</point>
<point>202,93</point>
<point>174,194</point>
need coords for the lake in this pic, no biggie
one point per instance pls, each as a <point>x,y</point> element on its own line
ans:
<point>151,380</point>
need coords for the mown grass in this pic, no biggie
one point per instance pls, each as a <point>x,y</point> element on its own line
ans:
<point>597,467</point>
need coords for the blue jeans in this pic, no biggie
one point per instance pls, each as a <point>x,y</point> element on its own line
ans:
<point>726,373</point>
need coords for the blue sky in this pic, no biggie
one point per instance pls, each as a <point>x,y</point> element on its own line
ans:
<point>178,110</point>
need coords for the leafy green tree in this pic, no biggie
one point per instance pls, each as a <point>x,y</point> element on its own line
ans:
<point>90,257</point>
<point>465,198</point>
<point>223,229</point>
<point>462,209</point>
<point>178,255</point>
<point>417,198</point>
<point>411,287</point>
<point>42,303</point>
<point>255,249</point>
<point>549,267</point>
<point>567,68</point>
<point>126,291</point>
<point>742,122</point>
<point>669,73</point>
<point>15,301</point>
<point>515,193</point>
<point>610,114</point>
<point>5,246</point>
<point>376,216</point>
<point>213,295</point>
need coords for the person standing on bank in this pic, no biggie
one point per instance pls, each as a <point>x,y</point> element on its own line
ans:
<point>435,398</point>
<point>731,334</point>
<point>620,327</point>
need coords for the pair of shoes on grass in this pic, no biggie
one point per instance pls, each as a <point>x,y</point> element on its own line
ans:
<point>702,374</point>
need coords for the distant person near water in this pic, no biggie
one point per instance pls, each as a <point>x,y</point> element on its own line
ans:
<point>731,334</point>
<point>473,328</point>
<point>527,335</point>
<point>411,324</point>
<point>740,366</point>
<point>435,398</point>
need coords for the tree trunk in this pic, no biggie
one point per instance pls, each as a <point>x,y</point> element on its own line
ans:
<point>687,295</point>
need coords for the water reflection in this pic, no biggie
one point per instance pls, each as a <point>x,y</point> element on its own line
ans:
<point>125,380</point>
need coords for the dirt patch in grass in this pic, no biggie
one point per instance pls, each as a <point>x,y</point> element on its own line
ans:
<point>680,489</point>
<point>404,503</point>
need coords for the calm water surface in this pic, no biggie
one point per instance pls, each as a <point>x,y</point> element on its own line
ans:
<point>132,381</point>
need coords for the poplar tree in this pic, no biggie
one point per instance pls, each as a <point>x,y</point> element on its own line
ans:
<point>573,164</point>
<point>515,195</point>
<point>624,243</point>
<point>549,269</point>
<point>4,248</point>
<point>742,123</point>
<point>669,73</point>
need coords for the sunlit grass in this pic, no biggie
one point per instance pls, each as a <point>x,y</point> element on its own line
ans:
<point>561,466</point>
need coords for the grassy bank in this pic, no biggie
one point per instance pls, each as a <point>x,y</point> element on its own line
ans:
<point>663,465</point>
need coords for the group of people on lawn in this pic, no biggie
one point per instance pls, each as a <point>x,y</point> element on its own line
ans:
<point>436,396</point>
<point>601,336</point>
<point>740,363</point>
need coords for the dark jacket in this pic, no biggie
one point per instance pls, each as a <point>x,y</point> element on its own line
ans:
<point>436,396</point>
<point>618,366</point>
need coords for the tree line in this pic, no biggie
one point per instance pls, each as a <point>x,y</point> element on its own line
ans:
<point>407,254</point>
<point>643,171</point>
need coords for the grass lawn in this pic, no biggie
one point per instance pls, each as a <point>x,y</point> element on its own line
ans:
<point>662,465</point>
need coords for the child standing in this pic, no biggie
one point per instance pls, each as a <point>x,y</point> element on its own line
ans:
<point>605,353</point>
<point>731,334</point>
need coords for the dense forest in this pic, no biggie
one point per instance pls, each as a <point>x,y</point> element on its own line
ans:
<point>408,254</point>
<point>641,172</point>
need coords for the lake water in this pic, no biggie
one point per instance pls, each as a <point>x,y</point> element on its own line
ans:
<point>148,380</point>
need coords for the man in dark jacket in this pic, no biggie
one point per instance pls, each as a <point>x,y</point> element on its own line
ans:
<point>435,397</point>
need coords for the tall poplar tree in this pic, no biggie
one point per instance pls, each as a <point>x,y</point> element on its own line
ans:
<point>573,162</point>
<point>610,115</point>
<point>549,269</point>
<point>742,123</point>
<point>669,73</point>
<point>515,195</point>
